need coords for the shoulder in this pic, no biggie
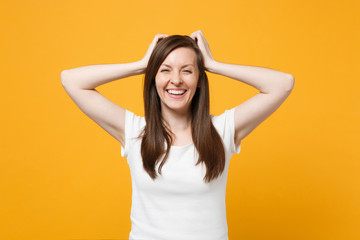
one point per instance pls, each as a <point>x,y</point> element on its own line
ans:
<point>133,124</point>
<point>134,119</point>
<point>224,124</point>
<point>226,119</point>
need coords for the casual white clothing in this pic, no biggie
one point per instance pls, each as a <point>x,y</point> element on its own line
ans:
<point>178,205</point>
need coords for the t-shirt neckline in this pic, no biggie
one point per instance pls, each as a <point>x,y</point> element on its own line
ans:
<point>182,146</point>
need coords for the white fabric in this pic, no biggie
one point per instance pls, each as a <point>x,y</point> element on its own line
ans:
<point>178,205</point>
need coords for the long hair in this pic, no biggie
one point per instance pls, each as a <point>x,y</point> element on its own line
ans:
<point>206,139</point>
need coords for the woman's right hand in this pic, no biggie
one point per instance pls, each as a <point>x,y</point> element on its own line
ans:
<point>198,36</point>
<point>156,39</point>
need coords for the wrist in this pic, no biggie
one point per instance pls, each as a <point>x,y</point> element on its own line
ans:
<point>212,66</point>
<point>141,66</point>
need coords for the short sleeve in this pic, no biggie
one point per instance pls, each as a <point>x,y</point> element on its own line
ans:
<point>225,125</point>
<point>133,126</point>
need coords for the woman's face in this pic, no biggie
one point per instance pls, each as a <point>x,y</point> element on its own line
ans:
<point>177,79</point>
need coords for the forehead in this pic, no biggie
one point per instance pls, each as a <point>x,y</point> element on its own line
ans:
<point>181,56</point>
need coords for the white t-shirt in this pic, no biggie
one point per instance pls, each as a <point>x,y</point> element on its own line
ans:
<point>178,205</point>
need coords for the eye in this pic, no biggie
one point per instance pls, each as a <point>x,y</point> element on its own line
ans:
<point>187,71</point>
<point>164,70</point>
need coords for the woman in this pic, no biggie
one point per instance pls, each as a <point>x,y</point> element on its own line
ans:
<point>178,154</point>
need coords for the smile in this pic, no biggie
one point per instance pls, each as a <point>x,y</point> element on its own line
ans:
<point>176,92</point>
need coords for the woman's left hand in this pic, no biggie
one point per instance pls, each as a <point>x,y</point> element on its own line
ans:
<point>198,36</point>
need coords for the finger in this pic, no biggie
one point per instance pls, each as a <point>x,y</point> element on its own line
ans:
<point>201,37</point>
<point>160,37</point>
<point>194,36</point>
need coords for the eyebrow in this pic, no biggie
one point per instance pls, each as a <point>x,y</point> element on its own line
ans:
<point>181,67</point>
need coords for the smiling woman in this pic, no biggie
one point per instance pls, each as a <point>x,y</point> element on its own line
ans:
<point>187,199</point>
<point>176,81</point>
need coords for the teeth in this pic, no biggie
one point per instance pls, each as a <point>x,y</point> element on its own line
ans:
<point>176,92</point>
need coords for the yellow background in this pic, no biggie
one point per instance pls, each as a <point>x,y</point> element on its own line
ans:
<point>297,176</point>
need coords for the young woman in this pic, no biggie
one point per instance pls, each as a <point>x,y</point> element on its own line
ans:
<point>178,153</point>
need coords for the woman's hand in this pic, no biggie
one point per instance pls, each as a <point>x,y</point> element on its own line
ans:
<point>156,39</point>
<point>198,36</point>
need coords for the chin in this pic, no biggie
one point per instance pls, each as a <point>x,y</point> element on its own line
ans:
<point>177,108</point>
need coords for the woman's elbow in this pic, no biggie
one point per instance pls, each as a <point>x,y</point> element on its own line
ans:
<point>64,76</point>
<point>290,82</point>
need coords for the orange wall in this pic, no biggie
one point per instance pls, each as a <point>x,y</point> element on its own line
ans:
<point>297,176</point>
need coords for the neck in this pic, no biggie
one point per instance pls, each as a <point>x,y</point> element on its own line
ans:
<point>177,121</point>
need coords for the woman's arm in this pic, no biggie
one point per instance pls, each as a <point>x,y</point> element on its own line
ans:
<point>274,87</point>
<point>89,77</point>
<point>80,85</point>
<point>264,79</point>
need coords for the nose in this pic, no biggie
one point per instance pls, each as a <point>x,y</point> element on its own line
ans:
<point>176,78</point>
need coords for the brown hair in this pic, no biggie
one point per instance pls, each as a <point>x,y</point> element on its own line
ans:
<point>206,139</point>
